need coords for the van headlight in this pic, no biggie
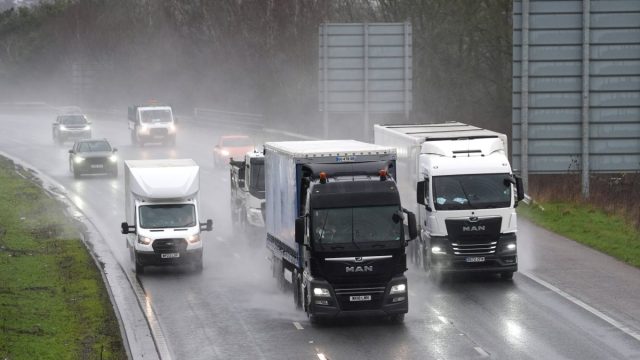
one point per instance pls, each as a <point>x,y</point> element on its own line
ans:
<point>398,289</point>
<point>143,129</point>
<point>86,128</point>
<point>321,292</point>
<point>193,238</point>
<point>144,240</point>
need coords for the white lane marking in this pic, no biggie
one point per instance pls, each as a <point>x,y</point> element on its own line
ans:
<point>481,351</point>
<point>297,325</point>
<point>625,329</point>
<point>321,356</point>
<point>443,319</point>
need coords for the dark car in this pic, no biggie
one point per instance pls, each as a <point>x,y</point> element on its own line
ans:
<point>71,127</point>
<point>93,157</point>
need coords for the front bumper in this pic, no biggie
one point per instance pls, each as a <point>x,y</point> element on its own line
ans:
<point>502,260</point>
<point>70,135</point>
<point>339,304</point>
<point>86,167</point>
<point>155,258</point>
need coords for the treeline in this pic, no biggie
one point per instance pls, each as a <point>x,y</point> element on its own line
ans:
<point>250,55</point>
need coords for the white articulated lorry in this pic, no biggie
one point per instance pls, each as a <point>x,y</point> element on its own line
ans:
<point>457,179</point>
<point>335,227</point>
<point>247,191</point>
<point>161,206</point>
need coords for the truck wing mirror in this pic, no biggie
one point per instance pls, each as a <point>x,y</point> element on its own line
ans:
<point>411,222</point>
<point>300,230</point>
<point>125,228</point>
<point>241,183</point>
<point>115,150</point>
<point>420,191</point>
<point>208,226</point>
<point>519,188</point>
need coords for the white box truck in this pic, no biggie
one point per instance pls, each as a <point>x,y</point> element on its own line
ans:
<point>457,179</point>
<point>335,227</point>
<point>161,207</point>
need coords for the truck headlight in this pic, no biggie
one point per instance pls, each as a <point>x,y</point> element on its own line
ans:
<point>144,129</point>
<point>510,247</point>
<point>398,289</point>
<point>321,292</point>
<point>78,159</point>
<point>172,128</point>
<point>224,152</point>
<point>144,240</point>
<point>194,238</point>
<point>113,158</point>
<point>437,250</point>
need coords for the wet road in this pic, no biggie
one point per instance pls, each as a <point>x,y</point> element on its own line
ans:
<point>233,310</point>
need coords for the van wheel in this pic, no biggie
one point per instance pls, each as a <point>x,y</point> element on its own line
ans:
<point>197,266</point>
<point>139,267</point>
<point>507,275</point>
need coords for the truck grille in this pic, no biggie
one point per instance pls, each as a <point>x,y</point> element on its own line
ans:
<point>343,294</point>
<point>169,245</point>
<point>479,237</point>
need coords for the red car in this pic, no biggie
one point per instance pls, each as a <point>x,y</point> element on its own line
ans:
<point>231,147</point>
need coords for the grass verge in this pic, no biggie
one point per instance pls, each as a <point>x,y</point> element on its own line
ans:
<point>53,302</point>
<point>611,234</point>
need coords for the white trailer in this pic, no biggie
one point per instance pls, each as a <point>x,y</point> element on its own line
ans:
<point>161,207</point>
<point>458,180</point>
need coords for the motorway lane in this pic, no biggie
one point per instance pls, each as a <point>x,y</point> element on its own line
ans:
<point>233,309</point>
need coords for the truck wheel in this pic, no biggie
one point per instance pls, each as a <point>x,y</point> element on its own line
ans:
<point>134,140</point>
<point>506,275</point>
<point>297,298</point>
<point>396,319</point>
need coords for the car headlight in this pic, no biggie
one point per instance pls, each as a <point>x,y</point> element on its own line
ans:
<point>78,159</point>
<point>437,250</point>
<point>194,238</point>
<point>113,158</point>
<point>62,127</point>
<point>172,128</point>
<point>224,152</point>
<point>321,292</point>
<point>86,128</point>
<point>398,289</point>
<point>144,240</point>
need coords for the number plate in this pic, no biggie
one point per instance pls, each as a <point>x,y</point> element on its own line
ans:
<point>360,298</point>
<point>170,255</point>
<point>97,166</point>
<point>475,259</point>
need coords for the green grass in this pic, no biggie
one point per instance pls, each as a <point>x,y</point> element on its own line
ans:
<point>53,302</point>
<point>585,224</point>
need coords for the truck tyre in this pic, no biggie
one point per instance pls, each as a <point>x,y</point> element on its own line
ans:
<point>297,295</point>
<point>396,319</point>
<point>506,275</point>
<point>134,140</point>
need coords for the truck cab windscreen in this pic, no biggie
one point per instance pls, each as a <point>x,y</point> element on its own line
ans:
<point>257,177</point>
<point>462,192</point>
<point>155,116</point>
<point>356,225</point>
<point>167,216</point>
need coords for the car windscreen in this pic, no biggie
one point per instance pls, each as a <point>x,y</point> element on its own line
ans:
<point>167,216</point>
<point>461,192</point>
<point>357,224</point>
<point>73,120</point>
<point>93,146</point>
<point>155,116</point>
<point>236,142</point>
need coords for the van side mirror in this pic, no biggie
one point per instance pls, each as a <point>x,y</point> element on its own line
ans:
<point>125,228</point>
<point>71,151</point>
<point>115,149</point>
<point>411,222</point>
<point>519,187</point>
<point>420,191</point>
<point>208,226</point>
<point>300,230</point>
